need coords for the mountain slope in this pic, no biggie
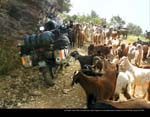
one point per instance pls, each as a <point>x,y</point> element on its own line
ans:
<point>20,17</point>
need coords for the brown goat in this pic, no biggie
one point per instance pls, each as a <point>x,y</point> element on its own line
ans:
<point>145,51</point>
<point>98,88</point>
<point>80,35</point>
<point>99,50</point>
<point>123,50</point>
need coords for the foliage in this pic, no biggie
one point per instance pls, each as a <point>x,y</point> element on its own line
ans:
<point>134,29</point>
<point>133,38</point>
<point>82,18</point>
<point>65,5</point>
<point>94,14</point>
<point>117,21</point>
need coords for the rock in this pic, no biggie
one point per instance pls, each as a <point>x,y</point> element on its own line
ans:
<point>32,99</point>
<point>65,91</point>
<point>36,93</point>
<point>56,87</point>
<point>19,104</point>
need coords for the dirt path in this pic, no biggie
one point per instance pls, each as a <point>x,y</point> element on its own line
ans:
<point>24,88</point>
<point>61,95</point>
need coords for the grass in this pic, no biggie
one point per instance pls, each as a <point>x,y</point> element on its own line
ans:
<point>132,38</point>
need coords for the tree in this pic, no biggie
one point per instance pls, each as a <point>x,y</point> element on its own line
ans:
<point>134,29</point>
<point>117,21</point>
<point>74,17</point>
<point>96,20</point>
<point>65,5</point>
<point>103,22</point>
<point>94,14</point>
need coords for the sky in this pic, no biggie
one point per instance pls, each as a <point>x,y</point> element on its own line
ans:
<point>134,11</point>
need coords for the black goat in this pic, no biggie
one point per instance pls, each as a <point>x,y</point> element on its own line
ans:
<point>97,87</point>
<point>141,42</point>
<point>93,61</point>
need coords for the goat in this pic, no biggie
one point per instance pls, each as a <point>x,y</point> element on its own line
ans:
<point>131,52</point>
<point>124,86</point>
<point>115,44</point>
<point>139,55</point>
<point>145,51</point>
<point>100,50</point>
<point>141,77</point>
<point>136,52</point>
<point>94,61</point>
<point>122,50</point>
<point>98,88</point>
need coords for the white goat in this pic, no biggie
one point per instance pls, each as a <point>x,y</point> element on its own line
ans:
<point>136,53</point>
<point>131,52</point>
<point>124,85</point>
<point>141,76</point>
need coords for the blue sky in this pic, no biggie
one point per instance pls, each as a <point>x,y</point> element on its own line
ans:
<point>134,11</point>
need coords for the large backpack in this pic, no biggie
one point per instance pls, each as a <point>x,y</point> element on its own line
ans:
<point>45,39</point>
<point>38,41</point>
<point>62,43</point>
<point>30,41</point>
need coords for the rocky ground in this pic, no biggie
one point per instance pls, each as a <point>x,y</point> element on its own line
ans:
<point>25,88</point>
<point>62,95</point>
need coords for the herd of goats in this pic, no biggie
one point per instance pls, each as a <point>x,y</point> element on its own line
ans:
<point>113,71</point>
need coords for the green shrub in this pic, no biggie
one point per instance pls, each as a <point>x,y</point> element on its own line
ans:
<point>132,38</point>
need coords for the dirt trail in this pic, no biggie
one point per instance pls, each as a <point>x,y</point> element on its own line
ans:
<point>62,95</point>
<point>25,88</point>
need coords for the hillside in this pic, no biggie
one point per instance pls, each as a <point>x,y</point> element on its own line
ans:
<point>20,17</point>
<point>19,87</point>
